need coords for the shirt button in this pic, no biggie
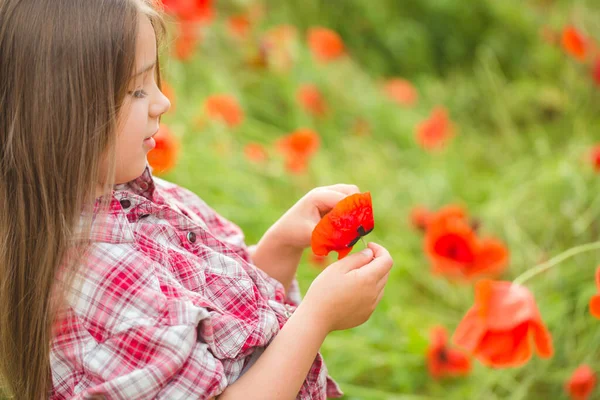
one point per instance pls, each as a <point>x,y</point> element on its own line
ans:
<point>125,204</point>
<point>191,237</point>
<point>143,185</point>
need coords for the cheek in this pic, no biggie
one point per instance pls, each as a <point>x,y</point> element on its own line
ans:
<point>132,132</point>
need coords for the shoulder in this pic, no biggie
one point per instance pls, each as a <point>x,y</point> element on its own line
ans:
<point>188,201</point>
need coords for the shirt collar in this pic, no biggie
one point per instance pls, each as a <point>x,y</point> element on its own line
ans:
<point>143,185</point>
<point>113,226</point>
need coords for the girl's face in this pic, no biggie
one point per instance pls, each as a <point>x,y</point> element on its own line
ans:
<point>142,107</point>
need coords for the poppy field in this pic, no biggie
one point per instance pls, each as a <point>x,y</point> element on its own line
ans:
<point>475,129</point>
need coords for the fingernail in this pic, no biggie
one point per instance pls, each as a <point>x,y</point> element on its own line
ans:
<point>367,252</point>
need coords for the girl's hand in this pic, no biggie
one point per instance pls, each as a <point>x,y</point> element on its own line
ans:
<point>294,228</point>
<point>346,293</point>
<point>279,251</point>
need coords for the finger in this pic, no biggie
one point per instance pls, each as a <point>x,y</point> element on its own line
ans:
<point>344,188</point>
<point>382,282</point>
<point>354,260</point>
<point>325,200</point>
<point>378,268</point>
<point>379,296</point>
<point>378,249</point>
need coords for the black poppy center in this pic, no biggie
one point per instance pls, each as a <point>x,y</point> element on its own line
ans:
<point>361,232</point>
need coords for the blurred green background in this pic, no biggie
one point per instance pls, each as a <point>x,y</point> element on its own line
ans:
<point>526,115</point>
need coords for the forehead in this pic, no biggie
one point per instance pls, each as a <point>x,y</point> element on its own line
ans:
<point>145,52</point>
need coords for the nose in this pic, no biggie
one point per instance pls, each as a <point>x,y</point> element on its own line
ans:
<point>160,105</point>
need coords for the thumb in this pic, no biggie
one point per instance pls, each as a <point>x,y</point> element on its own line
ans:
<point>355,260</point>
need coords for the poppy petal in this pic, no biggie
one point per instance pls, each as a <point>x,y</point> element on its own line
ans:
<point>344,225</point>
<point>595,306</point>
<point>470,331</point>
<point>542,340</point>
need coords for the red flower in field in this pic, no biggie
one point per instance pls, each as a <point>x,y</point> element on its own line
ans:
<point>344,225</point>
<point>310,98</point>
<point>325,44</point>
<point>224,107</point>
<point>595,157</point>
<point>596,72</point>
<point>503,326</point>
<point>297,148</point>
<point>187,40</point>
<point>435,132</point>
<point>419,217</point>
<point>443,361</point>
<point>454,249</point>
<point>595,300</point>
<point>164,156</point>
<point>574,43</point>
<point>256,153</point>
<point>401,92</point>
<point>190,10</point>
<point>581,384</point>
<point>239,26</point>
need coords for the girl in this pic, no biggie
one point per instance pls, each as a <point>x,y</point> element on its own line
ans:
<point>116,284</point>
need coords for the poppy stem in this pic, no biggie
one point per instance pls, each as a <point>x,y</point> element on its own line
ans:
<point>530,273</point>
<point>362,238</point>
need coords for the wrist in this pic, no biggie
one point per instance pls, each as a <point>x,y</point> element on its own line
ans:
<point>308,315</point>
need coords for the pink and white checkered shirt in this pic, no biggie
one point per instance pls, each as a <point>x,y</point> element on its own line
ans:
<point>168,305</point>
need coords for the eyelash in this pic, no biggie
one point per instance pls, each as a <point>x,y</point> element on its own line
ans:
<point>139,94</point>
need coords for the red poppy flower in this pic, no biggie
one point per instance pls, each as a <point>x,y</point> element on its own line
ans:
<point>187,40</point>
<point>595,300</point>
<point>503,326</point>
<point>224,107</point>
<point>596,72</point>
<point>574,43</point>
<point>325,44</point>
<point>239,26</point>
<point>297,148</point>
<point>310,98</point>
<point>344,225</point>
<point>581,384</point>
<point>436,131</point>
<point>455,250</point>
<point>443,361</point>
<point>401,92</point>
<point>419,217</point>
<point>164,156</point>
<point>595,157</point>
<point>190,10</point>
<point>255,152</point>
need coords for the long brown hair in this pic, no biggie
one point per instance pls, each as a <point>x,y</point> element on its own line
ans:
<point>65,67</point>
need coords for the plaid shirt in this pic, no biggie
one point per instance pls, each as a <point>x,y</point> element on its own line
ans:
<point>168,305</point>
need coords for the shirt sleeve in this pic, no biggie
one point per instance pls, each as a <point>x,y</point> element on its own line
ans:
<point>146,341</point>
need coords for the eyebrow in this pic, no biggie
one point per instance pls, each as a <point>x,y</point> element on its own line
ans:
<point>146,69</point>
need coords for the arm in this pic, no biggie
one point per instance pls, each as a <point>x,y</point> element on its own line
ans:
<point>281,370</point>
<point>276,259</point>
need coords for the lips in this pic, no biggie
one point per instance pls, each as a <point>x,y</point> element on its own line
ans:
<point>151,135</point>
